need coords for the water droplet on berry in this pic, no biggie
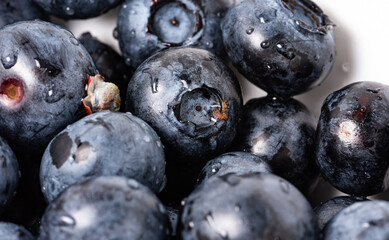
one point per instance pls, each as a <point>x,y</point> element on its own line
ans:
<point>132,33</point>
<point>237,208</point>
<point>74,41</point>
<point>191,224</point>
<point>69,11</point>
<point>285,48</point>
<point>154,85</point>
<point>265,44</point>
<point>9,60</point>
<point>66,220</point>
<point>250,30</point>
<point>316,57</point>
<point>124,5</point>
<point>265,16</point>
<point>133,184</point>
<point>128,61</point>
<point>209,44</point>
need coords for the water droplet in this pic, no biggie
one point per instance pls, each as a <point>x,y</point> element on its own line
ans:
<point>250,30</point>
<point>285,48</point>
<point>316,57</point>
<point>50,92</point>
<point>209,44</point>
<point>266,15</point>
<point>184,84</point>
<point>346,67</point>
<point>219,14</point>
<point>191,224</point>
<point>154,85</point>
<point>366,225</point>
<point>128,61</point>
<point>133,184</point>
<point>331,57</point>
<point>69,11</point>
<point>8,60</point>
<point>284,186</point>
<point>74,41</point>
<point>124,5</point>
<point>367,175</point>
<point>65,220</point>
<point>146,139</point>
<point>183,202</point>
<point>43,189</point>
<point>159,144</point>
<point>274,98</point>
<point>379,98</point>
<point>132,33</point>
<point>269,66</point>
<point>115,33</point>
<point>265,44</point>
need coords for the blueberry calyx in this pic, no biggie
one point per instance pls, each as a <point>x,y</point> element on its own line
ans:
<point>200,112</point>
<point>11,92</point>
<point>101,95</point>
<point>308,16</point>
<point>181,17</point>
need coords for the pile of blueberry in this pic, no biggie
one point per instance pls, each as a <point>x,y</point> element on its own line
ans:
<point>156,142</point>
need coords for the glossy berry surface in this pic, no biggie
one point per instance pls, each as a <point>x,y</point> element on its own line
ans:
<point>363,220</point>
<point>77,9</point>
<point>109,63</point>
<point>9,174</point>
<point>18,10</point>
<point>105,208</point>
<point>239,163</point>
<point>191,99</point>
<point>104,143</point>
<point>145,27</point>
<point>352,138</point>
<point>284,47</point>
<point>11,231</point>
<point>255,206</point>
<point>43,73</point>
<point>328,209</point>
<point>281,132</point>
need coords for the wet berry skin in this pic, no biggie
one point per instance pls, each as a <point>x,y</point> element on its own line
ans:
<point>191,99</point>
<point>254,206</point>
<point>106,207</point>
<point>109,63</point>
<point>145,27</point>
<point>352,138</point>
<point>328,209</point>
<point>18,10</point>
<point>284,47</point>
<point>9,174</point>
<point>104,143</point>
<point>43,73</point>
<point>239,163</point>
<point>77,9</point>
<point>281,132</point>
<point>11,231</point>
<point>362,220</point>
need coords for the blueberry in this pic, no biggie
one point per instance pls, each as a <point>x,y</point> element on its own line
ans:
<point>108,62</point>
<point>18,10</point>
<point>9,174</point>
<point>254,206</point>
<point>281,132</point>
<point>43,73</point>
<point>328,209</point>
<point>11,231</point>
<point>352,138</point>
<point>284,47</point>
<point>233,162</point>
<point>145,27</point>
<point>104,143</point>
<point>191,99</point>
<point>77,9</point>
<point>362,220</point>
<point>106,207</point>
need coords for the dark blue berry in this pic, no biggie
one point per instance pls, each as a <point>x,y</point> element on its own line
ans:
<point>281,132</point>
<point>104,143</point>
<point>284,47</point>
<point>352,138</point>
<point>43,73</point>
<point>239,163</point>
<point>255,206</point>
<point>9,174</point>
<point>105,208</point>
<point>362,220</point>
<point>18,10</point>
<point>145,27</point>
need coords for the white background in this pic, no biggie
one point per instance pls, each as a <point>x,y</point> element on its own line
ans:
<point>361,33</point>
